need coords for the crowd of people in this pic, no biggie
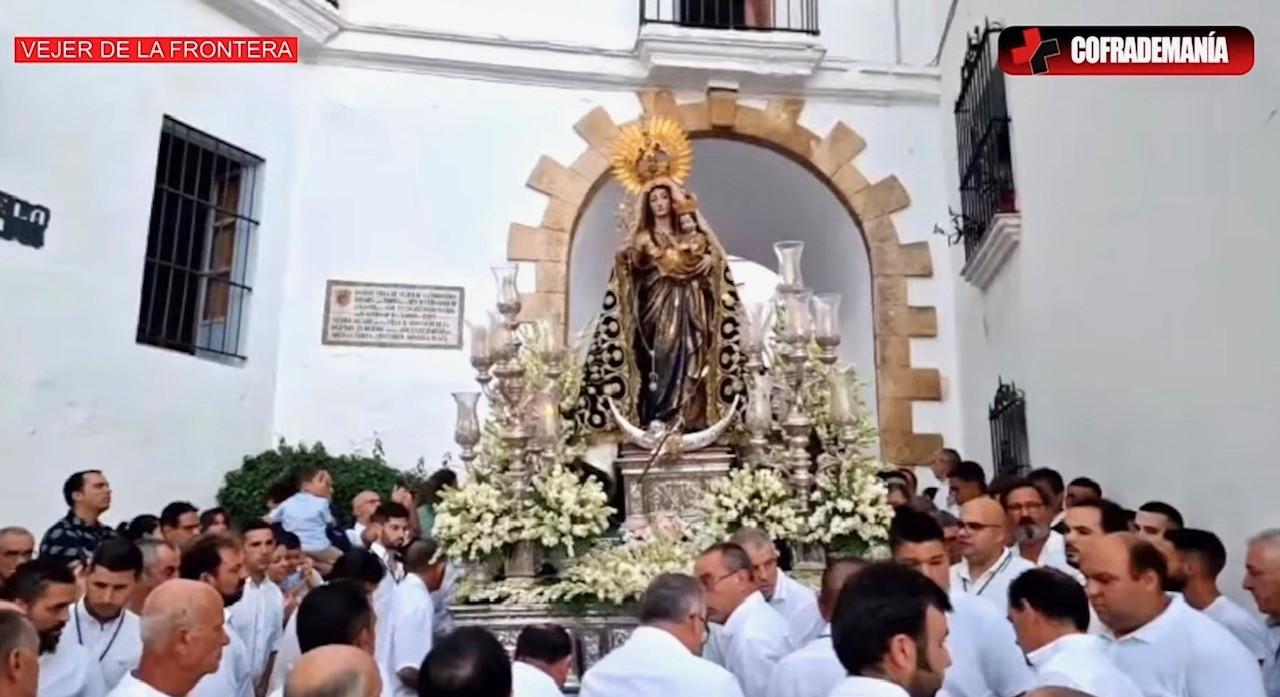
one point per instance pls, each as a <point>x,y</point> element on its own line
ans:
<point>1018,587</point>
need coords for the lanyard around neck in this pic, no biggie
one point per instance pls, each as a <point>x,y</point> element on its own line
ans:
<point>114,635</point>
<point>1008,557</point>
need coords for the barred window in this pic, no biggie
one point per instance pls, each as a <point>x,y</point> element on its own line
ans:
<point>195,283</point>
<point>1008,416</point>
<point>982,140</point>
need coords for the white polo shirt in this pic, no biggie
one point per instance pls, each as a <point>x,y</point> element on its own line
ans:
<point>985,658</point>
<point>130,686</point>
<point>259,620</point>
<point>412,613</point>
<point>288,651</point>
<point>1271,668</point>
<point>1183,653</point>
<point>653,663</point>
<point>858,686</point>
<point>813,671</point>
<point>70,671</point>
<point>751,643</point>
<point>531,681</point>
<point>234,676</point>
<point>116,644</point>
<point>798,605</point>
<point>1080,661</point>
<point>1243,625</point>
<point>993,585</point>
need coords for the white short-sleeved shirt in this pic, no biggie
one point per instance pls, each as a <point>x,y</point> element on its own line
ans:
<point>654,663</point>
<point>69,671</point>
<point>993,585</point>
<point>532,681</point>
<point>412,613</point>
<point>305,515</point>
<point>813,671</point>
<point>233,677</point>
<point>1243,625</point>
<point>858,686</point>
<point>382,598</point>
<point>1183,653</point>
<point>1080,661</point>
<point>1271,667</point>
<point>115,644</point>
<point>258,618</point>
<point>751,643</point>
<point>985,658</point>
<point>798,605</point>
<point>131,686</point>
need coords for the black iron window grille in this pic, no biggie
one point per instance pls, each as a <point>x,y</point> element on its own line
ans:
<point>800,16</point>
<point>195,283</point>
<point>1008,416</point>
<point>982,139</point>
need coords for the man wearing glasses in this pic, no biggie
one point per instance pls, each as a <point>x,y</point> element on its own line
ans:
<point>1030,517</point>
<point>751,636</point>
<point>988,566</point>
<point>796,602</point>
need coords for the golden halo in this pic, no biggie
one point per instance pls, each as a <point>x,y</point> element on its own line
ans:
<point>646,151</point>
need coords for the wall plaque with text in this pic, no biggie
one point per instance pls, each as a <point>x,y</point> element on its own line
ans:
<point>392,315</point>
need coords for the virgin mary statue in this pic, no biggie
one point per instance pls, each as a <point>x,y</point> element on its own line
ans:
<point>666,348</point>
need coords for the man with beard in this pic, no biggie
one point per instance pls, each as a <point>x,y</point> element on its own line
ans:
<point>45,589</point>
<point>890,631</point>
<point>19,654</point>
<point>184,639</point>
<point>1050,482</point>
<point>101,622</point>
<point>796,602</point>
<point>1200,556</point>
<point>159,564</point>
<point>1029,510</point>
<point>988,566</point>
<point>1166,647</point>
<point>1090,518</point>
<point>389,528</point>
<point>259,616</point>
<point>986,660</point>
<point>218,561</point>
<point>73,538</point>
<point>17,546</point>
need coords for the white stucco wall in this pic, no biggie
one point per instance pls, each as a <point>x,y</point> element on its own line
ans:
<point>76,391</point>
<point>1139,312</point>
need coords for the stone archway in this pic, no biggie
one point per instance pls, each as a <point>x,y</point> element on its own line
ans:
<point>832,160</point>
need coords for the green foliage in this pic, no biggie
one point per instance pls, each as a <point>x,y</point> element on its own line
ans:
<point>244,491</point>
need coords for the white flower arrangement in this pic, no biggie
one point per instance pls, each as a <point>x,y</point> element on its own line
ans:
<point>563,512</point>
<point>850,511</point>
<point>752,498</point>
<point>475,522</point>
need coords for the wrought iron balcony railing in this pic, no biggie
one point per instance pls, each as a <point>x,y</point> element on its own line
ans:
<point>982,139</point>
<point>799,16</point>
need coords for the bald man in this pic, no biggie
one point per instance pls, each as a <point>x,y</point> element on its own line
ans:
<point>815,670</point>
<point>363,506</point>
<point>19,653</point>
<point>334,671</point>
<point>1165,646</point>
<point>987,566</point>
<point>183,634</point>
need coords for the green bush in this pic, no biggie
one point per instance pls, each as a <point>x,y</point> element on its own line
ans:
<point>244,491</point>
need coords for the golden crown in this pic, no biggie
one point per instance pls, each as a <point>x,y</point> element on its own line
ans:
<point>653,149</point>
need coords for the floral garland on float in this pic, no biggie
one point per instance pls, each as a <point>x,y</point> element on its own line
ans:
<point>533,526</point>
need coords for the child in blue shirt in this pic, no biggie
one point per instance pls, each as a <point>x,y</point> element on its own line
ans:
<point>307,514</point>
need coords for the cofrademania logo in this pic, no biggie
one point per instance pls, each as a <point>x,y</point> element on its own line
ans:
<point>1126,50</point>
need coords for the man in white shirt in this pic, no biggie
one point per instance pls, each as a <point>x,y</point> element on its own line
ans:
<point>159,564</point>
<point>814,670</point>
<point>1050,482</point>
<point>890,631</point>
<point>1160,642</point>
<point>335,670</point>
<point>363,506</point>
<point>988,566</point>
<point>1028,510</point>
<point>661,656</point>
<point>985,658</point>
<point>184,636</point>
<point>19,653</point>
<point>753,636</point>
<point>544,657</point>
<point>338,613</point>
<point>1087,519</point>
<point>411,615</point>
<point>943,464</point>
<point>45,589</point>
<point>259,615</point>
<point>102,625</point>
<point>796,602</point>
<point>1050,614</point>
<point>218,561</point>
<point>1262,580</point>
<point>389,528</point>
<point>1203,557</point>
